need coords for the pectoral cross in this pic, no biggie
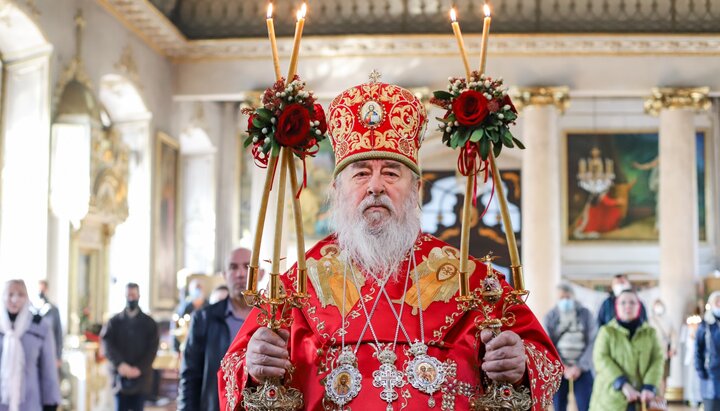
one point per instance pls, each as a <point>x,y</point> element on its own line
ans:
<point>388,377</point>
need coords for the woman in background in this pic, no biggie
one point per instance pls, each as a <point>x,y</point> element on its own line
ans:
<point>628,359</point>
<point>28,373</point>
<point>707,354</point>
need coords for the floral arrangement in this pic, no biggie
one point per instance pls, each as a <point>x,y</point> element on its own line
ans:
<point>289,117</point>
<point>478,119</point>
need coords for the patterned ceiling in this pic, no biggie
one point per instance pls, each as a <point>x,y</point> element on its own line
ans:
<point>219,19</point>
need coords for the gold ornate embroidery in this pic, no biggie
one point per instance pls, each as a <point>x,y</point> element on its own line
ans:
<point>546,373</point>
<point>436,277</point>
<point>229,366</point>
<point>329,278</point>
<point>454,387</point>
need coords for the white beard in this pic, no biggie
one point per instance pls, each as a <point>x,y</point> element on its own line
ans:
<point>378,248</point>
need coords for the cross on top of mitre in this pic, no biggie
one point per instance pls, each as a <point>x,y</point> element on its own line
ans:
<point>375,76</point>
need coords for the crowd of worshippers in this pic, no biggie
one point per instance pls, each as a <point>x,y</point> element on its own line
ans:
<point>613,360</point>
<point>620,358</point>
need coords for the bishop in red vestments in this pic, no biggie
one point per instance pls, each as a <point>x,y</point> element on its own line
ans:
<point>382,328</point>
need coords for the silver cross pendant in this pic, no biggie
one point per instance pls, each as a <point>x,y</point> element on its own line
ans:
<point>388,377</point>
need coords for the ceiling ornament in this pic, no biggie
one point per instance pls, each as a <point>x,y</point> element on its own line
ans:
<point>691,98</point>
<point>151,25</point>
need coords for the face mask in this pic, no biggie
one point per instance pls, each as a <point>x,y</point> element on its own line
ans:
<point>619,288</point>
<point>716,311</point>
<point>195,293</point>
<point>132,304</point>
<point>566,304</point>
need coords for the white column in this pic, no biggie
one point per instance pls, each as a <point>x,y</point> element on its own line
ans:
<point>24,165</point>
<point>678,212</point>
<point>541,198</point>
<point>227,181</point>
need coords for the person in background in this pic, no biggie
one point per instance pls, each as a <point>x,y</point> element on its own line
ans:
<point>211,331</point>
<point>50,313</point>
<point>131,341</point>
<point>220,293</point>
<point>707,354</point>
<point>571,328</point>
<point>667,337</point>
<point>620,283</point>
<point>628,359</point>
<point>28,375</point>
<point>194,300</point>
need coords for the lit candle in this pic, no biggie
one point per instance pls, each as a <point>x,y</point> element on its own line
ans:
<point>460,42</point>
<point>273,43</point>
<point>296,42</point>
<point>485,34</point>
<point>582,166</point>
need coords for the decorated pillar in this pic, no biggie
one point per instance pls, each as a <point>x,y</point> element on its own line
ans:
<point>541,198</point>
<point>678,210</point>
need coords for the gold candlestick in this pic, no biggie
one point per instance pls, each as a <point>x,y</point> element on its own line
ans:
<point>273,42</point>
<point>460,42</point>
<point>485,35</point>
<point>296,41</point>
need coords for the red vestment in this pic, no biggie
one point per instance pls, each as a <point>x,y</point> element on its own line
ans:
<point>450,333</point>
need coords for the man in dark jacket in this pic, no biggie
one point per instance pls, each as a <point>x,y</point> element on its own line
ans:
<point>211,331</point>
<point>131,342</point>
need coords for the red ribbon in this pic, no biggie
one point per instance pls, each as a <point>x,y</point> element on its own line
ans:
<point>470,162</point>
<point>302,153</point>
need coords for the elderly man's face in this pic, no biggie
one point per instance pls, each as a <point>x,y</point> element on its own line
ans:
<point>378,188</point>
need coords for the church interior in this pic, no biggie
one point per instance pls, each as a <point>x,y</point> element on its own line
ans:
<point>122,149</point>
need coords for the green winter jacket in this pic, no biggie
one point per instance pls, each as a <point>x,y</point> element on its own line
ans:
<point>640,360</point>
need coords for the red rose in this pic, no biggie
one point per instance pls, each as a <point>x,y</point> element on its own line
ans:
<point>319,115</point>
<point>506,100</point>
<point>470,108</point>
<point>293,126</point>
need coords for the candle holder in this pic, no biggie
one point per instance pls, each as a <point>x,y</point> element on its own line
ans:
<point>486,300</point>
<point>274,393</point>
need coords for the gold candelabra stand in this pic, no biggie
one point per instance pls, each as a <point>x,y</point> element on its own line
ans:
<point>274,393</point>
<point>486,300</point>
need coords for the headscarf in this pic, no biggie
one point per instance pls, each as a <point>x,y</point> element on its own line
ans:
<point>12,363</point>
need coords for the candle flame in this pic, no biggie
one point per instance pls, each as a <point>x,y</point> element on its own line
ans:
<point>486,9</point>
<point>453,15</point>
<point>301,13</point>
<point>269,10</point>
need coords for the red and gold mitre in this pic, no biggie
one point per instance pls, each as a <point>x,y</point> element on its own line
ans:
<point>376,121</point>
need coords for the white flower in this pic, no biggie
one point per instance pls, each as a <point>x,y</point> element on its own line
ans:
<point>317,123</point>
<point>264,130</point>
<point>255,139</point>
<point>290,98</point>
<point>317,132</point>
<point>277,94</point>
<point>488,96</point>
<point>283,94</point>
<point>472,79</point>
<point>273,120</point>
<point>442,126</point>
<point>457,124</point>
<point>501,116</point>
<point>506,107</point>
<point>450,79</point>
<point>487,83</point>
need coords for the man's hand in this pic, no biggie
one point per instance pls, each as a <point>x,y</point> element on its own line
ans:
<point>124,369</point>
<point>572,372</point>
<point>504,359</point>
<point>630,392</point>
<point>134,372</point>
<point>267,354</point>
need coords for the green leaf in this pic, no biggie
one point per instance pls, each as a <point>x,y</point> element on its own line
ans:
<point>494,136</point>
<point>507,138</point>
<point>497,148</point>
<point>454,137</point>
<point>510,116</point>
<point>275,150</point>
<point>264,114</point>
<point>257,122</point>
<point>477,135</point>
<point>444,120</point>
<point>519,143</point>
<point>464,136</point>
<point>484,148</point>
<point>248,141</point>
<point>442,95</point>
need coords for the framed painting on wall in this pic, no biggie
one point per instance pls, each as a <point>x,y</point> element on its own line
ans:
<point>612,186</point>
<point>165,228</point>
<point>442,201</point>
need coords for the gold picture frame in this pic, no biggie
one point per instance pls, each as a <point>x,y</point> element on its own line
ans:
<point>166,253</point>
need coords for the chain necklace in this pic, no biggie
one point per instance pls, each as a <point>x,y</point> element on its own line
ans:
<point>424,372</point>
<point>344,382</point>
<point>387,376</point>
